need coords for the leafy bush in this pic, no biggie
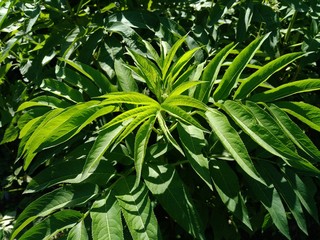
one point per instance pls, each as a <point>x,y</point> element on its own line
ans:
<point>127,126</point>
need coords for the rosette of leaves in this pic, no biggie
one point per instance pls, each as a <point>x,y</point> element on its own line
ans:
<point>172,140</point>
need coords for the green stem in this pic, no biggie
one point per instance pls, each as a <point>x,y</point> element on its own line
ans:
<point>293,19</point>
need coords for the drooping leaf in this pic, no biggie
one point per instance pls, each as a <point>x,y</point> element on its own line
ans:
<point>192,139</point>
<point>136,209</point>
<point>181,115</point>
<point>233,72</point>
<point>211,71</point>
<point>104,140</point>
<point>227,185</point>
<point>140,146</point>
<point>294,132</point>
<point>165,184</point>
<point>46,204</point>
<point>288,89</point>
<point>44,101</point>
<point>52,225</point>
<point>61,128</point>
<point>304,187</point>
<point>264,118</point>
<point>106,218</point>
<point>186,101</point>
<point>263,74</point>
<point>285,191</point>
<point>149,71</point>
<point>129,98</point>
<point>79,231</point>
<point>261,135</point>
<point>94,75</point>
<point>271,200</point>
<point>124,77</point>
<point>231,141</point>
<point>62,90</point>
<point>69,172</point>
<point>167,134</point>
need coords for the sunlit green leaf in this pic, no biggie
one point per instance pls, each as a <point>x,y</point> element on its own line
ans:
<point>261,75</point>
<point>79,231</point>
<point>307,113</point>
<point>288,89</point>
<point>233,72</point>
<point>232,142</point>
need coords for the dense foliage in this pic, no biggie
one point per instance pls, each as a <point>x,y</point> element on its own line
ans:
<point>159,119</point>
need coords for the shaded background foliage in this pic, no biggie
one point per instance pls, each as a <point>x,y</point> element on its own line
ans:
<point>39,37</point>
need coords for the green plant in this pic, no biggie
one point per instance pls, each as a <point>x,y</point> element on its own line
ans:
<point>132,129</point>
<point>134,144</point>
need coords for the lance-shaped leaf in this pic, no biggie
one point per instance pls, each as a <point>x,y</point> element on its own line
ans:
<point>148,70</point>
<point>307,113</point>
<point>52,225</point>
<point>271,200</point>
<point>79,231</point>
<point>261,135</point>
<point>166,132</point>
<point>234,71</point>
<point>211,72</point>
<point>263,74</point>
<point>62,197</point>
<point>181,115</point>
<point>305,189</point>
<point>61,89</point>
<point>44,101</point>
<point>124,77</point>
<point>272,175</point>
<point>288,89</point>
<point>227,185</point>
<point>153,54</point>
<point>100,146</point>
<point>69,172</point>
<point>150,113</point>
<point>178,66</point>
<point>128,97</point>
<point>165,184</point>
<point>294,132</point>
<point>264,118</point>
<point>63,126</point>
<point>186,101</point>
<point>170,56</point>
<point>93,74</point>
<point>32,136</point>
<point>136,209</point>
<point>193,141</point>
<point>231,141</point>
<point>140,146</point>
<point>183,87</point>
<point>106,218</point>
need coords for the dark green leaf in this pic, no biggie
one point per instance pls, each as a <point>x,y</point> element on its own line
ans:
<point>193,141</point>
<point>106,218</point>
<point>52,225</point>
<point>165,184</point>
<point>136,209</point>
